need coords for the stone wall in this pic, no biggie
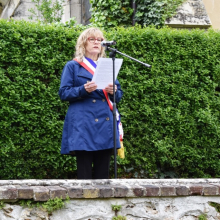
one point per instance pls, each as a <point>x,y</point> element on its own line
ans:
<point>190,14</point>
<point>141,199</point>
<point>78,9</point>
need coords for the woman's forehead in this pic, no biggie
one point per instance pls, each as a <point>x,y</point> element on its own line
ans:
<point>95,34</point>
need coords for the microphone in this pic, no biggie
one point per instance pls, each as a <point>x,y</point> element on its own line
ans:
<point>107,43</point>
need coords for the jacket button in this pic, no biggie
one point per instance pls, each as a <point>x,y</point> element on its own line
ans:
<point>103,100</point>
<point>96,120</point>
<point>107,119</point>
<point>93,100</point>
<point>88,81</point>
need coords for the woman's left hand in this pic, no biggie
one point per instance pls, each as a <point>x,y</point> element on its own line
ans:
<point>109,89</point>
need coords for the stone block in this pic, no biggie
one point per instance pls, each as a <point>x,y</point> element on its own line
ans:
<point>25,192</point>
<point>120,191</point>
<point>216,185</point>
<point>195,190</point>
<point>191,13</point>
<point>182,190</point>
<point>90,192</point>
<point>41,193</point>
<point>57,192</point>
<point>105,191</point>
<point>167,191</point>
<point>152,190</point>
<point>74,191</point>
<point>210,190</point>
<point>138,191</point>
<point>8,192</point>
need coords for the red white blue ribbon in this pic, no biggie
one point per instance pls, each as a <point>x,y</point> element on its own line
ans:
<point>90,66</point>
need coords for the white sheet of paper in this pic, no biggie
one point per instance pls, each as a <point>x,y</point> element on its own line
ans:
<point>104,72</point>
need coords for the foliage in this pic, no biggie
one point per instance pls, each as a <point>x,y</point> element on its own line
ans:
<point>170,113</point>
<point>51,11</point>
<point>32,56</point>
<point>215,205</point>
<point>54,204</point>
<point>2,204</point>
<point>28,203</point>
<point>203,217</point>
<point>116,207</point>
<point>110,13</point>
<point>50,205</point>
<point>155,12</point>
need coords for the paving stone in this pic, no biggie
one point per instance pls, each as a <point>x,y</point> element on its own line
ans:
<point>167,191</point>
<point>105,191</point>
<point>216,185</point>
<point>57,192</point>
<point>90,192</point>
<point>138,191</point>
<point>41,193</point>
<point>196,190</point>
<point>8,192</point>
<point>74,191</point>
<point>152,190</point>
<point>120,191</point>
<point>25,192</point>
<point>182,190</point>
<point>209,190</point>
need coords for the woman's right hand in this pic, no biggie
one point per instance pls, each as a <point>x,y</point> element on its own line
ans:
<point>90,86</point>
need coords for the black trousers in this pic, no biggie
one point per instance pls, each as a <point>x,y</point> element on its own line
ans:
<point>93,164</point>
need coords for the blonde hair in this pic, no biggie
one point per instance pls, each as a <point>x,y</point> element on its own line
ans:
<point>82,39</point>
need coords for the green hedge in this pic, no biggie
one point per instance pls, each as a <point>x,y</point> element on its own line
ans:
<point>31,59</point>
<point>170,112</point>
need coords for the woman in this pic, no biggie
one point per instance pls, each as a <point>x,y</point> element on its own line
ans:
<point>88,126</point>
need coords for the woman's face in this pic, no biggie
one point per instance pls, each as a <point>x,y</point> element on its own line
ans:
<point>93,46</point>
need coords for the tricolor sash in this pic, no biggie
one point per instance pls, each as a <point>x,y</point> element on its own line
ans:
<point>90,66</point>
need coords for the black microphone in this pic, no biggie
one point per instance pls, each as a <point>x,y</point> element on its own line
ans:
<point>107,43</point>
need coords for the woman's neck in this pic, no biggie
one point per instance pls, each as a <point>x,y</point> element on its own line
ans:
<point>94,58</point>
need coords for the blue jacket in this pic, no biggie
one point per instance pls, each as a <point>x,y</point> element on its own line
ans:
<point>88,123</point>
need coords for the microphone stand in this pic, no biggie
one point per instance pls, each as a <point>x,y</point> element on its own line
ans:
<point>112,54</point>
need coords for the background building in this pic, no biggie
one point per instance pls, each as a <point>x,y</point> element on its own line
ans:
<point>213,11</point>
<point>19,9</point>
<point>78,9</point>
<point>193,13</point>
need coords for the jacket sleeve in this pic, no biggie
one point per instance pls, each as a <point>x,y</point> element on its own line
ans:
<point>118,94</point>
<point>67,91</point>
